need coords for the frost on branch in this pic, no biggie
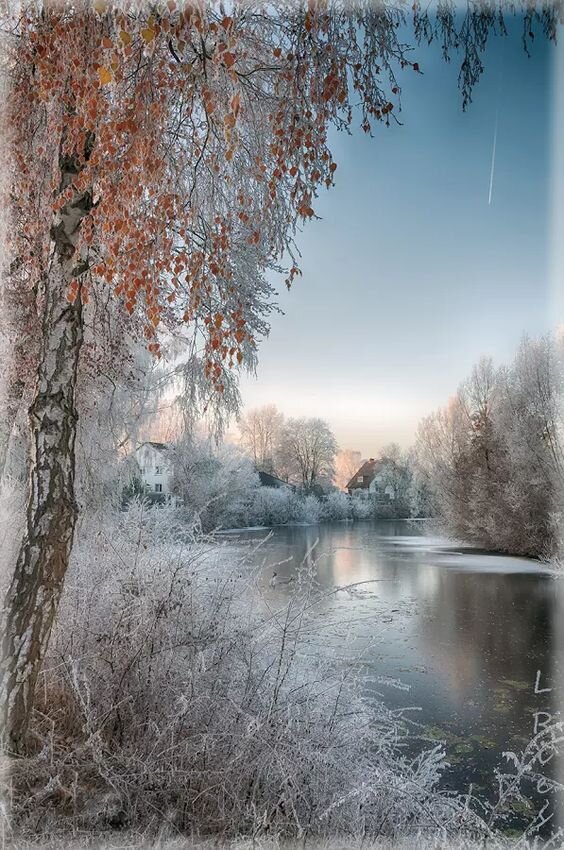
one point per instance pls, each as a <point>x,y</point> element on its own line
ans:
<point>201,140</point>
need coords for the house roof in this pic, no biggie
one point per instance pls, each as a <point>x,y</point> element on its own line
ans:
<point>368,470</point>
<point>160,447</point>
<point>268,480</point>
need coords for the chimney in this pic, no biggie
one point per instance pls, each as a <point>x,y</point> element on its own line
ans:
<point>371,460</point>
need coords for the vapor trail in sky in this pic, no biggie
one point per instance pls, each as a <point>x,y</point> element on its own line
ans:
<point>492,170</point>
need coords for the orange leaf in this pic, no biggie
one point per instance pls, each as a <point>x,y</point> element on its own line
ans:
<point>148,34</point>
<point>105,76</point>
<point>228,59</point>
<point>125,37</point>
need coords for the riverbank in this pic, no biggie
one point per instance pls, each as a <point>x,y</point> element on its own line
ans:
<point>196,698</point>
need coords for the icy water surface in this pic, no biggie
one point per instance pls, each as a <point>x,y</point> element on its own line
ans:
<point>457,633</point>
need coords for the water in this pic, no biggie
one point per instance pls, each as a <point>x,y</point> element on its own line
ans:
<point>460,634</point>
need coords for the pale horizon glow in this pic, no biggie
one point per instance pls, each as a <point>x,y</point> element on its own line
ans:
<point>412,275</point>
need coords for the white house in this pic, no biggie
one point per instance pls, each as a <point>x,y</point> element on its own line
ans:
<point>155,468</point>
<point>372,479</point>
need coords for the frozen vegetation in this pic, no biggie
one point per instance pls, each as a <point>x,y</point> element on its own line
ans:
<point>220,487</point>
<point>494,457</point>
<point>160,163</point>
<point>177,700</point>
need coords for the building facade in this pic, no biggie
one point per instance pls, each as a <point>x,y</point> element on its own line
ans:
<point>155,469</point>
<point>372,479</point>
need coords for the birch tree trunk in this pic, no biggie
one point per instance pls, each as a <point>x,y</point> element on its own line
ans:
<point>35,590</point>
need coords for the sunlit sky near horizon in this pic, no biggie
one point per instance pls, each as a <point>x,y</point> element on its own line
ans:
<point>411,275</point>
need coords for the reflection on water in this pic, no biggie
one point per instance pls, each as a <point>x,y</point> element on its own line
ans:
<point>465,631</point>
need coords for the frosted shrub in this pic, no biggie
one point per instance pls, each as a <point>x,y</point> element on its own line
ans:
<point>275,506</point>
<point>362,507</point>
<point>311,509</point>
<point>337,506</point>
<point>283,506</point>
<point>178,699</point>
<point>217,485</point>
<point>174,698</point>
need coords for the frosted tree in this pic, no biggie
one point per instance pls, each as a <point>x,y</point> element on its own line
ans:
<point>217,483</point>
<point>493,457</point>
<point>441,448</point>
<point>308,448</point>
<point>397,477</point>
<point>529,415</point>
<point>259,435</point>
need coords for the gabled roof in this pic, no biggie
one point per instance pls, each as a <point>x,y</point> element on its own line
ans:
<point>268,480</point>
<point>160,447</point>
<point>368,470</point>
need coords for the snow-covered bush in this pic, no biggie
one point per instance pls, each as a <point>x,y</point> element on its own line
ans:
<point>311,509</point>
<point>173,694</point>
<point>337,506</point>
<point>362,507</point>
<point>177,698</point>
<point>276,506</point>
<point>216,483</point>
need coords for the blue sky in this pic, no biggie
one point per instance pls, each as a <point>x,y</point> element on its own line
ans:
<point>411,275</point>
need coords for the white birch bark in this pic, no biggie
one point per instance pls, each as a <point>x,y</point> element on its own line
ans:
<point>36,587</point>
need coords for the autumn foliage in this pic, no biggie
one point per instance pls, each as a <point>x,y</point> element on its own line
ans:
<point>201,139</point>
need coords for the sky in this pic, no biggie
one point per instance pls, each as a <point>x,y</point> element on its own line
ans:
<point>412,275</point>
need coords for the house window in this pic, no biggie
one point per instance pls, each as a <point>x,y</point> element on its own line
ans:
<point>142,470</point>
<point>158,488</point>
<point>359,480</point>
<point>158,470</point>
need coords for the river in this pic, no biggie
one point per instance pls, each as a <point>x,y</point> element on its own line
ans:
<point>458,634</point>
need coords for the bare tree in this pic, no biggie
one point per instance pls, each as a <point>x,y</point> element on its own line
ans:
<point>259,435</point>
<point>308,447</point>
